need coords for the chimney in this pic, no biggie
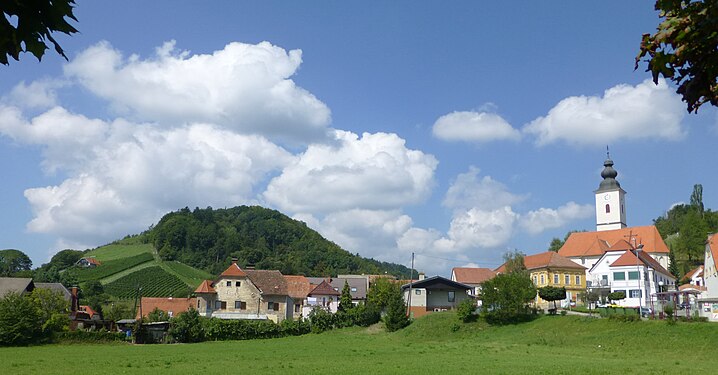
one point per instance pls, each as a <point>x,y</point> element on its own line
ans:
<point>234,260</point>
<point>74,301</point>
<point>422,276</point>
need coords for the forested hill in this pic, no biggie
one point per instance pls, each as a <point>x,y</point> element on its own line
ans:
<point>209,238</point>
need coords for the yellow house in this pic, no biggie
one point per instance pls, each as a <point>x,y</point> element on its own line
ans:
<point>552,269</point>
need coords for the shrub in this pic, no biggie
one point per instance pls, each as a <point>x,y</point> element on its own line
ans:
<point>563,312</point>
<point>625,318</point>
<point>365,315</point>
<point>20,320</point>
<point>465,310</point>
<point>668,310</point>
<point>320,320</point>
<point>81,336</point>
<point>187,327</point>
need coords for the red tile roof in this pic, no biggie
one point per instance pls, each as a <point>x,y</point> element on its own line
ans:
<point>596,243</point>
<point>468,275</point>
<point>713,246</point>
<point>233,271</point>
<point>298,287</point>
<point>620,245</point>
<point>93,260</point>
<point>547,259</point>
<point>175,305</point>
<point>692,273</point>
<point>205,287</point>
<point>324,289</point>
<point>685,287</point>
<point>88,310</point>
<point>629,259</point>
<point>269,282</point>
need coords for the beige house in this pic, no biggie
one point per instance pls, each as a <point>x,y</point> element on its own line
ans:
<point>434,294</point>
<point>245,294</point>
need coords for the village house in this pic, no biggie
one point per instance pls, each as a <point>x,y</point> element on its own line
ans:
<point>708,301</point>
<point>298,288</point>
<point>552,269</point>
<point>88,262</point>
<point>432,294</point>
<point>245,294</point>
<point>472,276</point>
<point>323,295</point>
<point>628,269</point>
<point>172,306</point>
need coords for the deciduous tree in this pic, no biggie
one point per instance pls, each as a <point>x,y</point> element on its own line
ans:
<point>684,49</point>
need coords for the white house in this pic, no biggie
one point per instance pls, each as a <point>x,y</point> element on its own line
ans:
<point>708,303</point>
<point>628,269</point>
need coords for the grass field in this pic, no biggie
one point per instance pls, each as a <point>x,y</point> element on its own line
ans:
<point>551,344</point>
<point>118,251</point>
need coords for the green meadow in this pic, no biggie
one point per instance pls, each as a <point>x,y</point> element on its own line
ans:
<point>431,345</point>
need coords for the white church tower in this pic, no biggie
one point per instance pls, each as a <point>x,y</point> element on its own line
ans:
<point>610,200</point>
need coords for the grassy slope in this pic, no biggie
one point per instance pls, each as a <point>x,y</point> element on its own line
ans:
<point>556,345</point>
<point>118,251</point>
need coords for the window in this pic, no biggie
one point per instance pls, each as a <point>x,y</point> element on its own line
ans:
<point>417,292</point>
<point>229,283</point>
<point>543,281</point>
<point>619,291</point>
<point>633,275</point>
<point>635,293</point>
<point>608,208</point>
<point>567,279</point>
<point>273,306</point>
<point>220,305</point>
<point>535,280</point>
<point>588,283</point>
<point>555,278</point>
<point>237,284</point>
<point>198,301</point>
<point>578,279</point>
<point>297,307</point>
<point>354,289</point>
<point>452,297</point>
<point>241,305</point>
<point>619,276</point>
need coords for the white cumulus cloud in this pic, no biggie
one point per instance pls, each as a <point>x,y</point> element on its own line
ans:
<point>245,87</point>
<point>473,126</point>
<point>624,112</point>
<point>375,172</point>
<point>537,221</point>
<point>469,190</point>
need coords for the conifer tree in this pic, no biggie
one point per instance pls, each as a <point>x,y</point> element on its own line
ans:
<point>345,301</point>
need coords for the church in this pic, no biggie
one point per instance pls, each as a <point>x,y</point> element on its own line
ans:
<point>633,260</point>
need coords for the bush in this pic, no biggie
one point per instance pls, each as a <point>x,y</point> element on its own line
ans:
<point>625,318</point>
<point>563,312</point>
<point>465,310</point>
<point>218,329</point>
<point>320,320</point>
<point>81,336</point>
<point>187,327</point>
<point>20,320</point>
<point>365,315</point>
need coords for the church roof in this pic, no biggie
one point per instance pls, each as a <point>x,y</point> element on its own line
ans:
<point>609,174</point>
<point>620,245</point>
<point>588,244</point>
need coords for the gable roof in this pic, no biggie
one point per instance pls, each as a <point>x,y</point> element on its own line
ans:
<point>298,287</point>
<point>589,244</point>
<point>206,287</point>
<point>92,260</point>
<point>548,259</point>
<point>233,271</point>
<point>175,305</point>
<point>359,285</point>
<point>269,282</point>
<point>713,246</point>
<point>696,272</point>
<point>472,275</point>
<point>20,285</point>
<point>436,282</point>
<point>57,287</point>
<point>629,259</point>
<point>324,289</point>
<point>620,245</point>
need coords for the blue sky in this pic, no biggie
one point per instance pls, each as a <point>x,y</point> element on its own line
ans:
<point>455,131</point>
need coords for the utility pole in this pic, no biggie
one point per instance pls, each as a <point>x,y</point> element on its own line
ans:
<point>411,282</point>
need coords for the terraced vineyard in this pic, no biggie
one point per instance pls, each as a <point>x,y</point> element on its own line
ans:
<point>111,267</point>
<point>154,281</point>
<point>192,276</point>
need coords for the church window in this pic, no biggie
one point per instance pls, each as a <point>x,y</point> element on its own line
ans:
<point>608,208</point>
